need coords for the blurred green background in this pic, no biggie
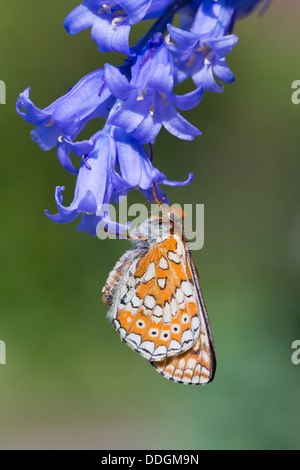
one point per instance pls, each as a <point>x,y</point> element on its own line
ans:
<point>69,382</point>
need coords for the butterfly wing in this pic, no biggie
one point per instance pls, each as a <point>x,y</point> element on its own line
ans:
<point>196,366</point>
<point>154,307</point>
<point>117,274</point>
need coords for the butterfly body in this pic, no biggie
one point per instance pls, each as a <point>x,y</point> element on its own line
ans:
<point>156,303</point>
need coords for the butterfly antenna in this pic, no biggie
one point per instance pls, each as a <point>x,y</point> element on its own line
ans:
<point>118,235</point>
<point>160,203</point>
<point>127,237</point>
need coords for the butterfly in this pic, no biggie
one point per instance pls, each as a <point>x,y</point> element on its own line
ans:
<point>156,303</point>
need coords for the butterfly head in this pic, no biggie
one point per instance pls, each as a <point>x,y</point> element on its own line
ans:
<point>175,214</point>
<point>168,223</point>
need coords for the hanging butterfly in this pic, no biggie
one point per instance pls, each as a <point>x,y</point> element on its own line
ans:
<point>156,303</point>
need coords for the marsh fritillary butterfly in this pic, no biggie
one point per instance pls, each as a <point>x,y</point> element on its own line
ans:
<point>156,303</point>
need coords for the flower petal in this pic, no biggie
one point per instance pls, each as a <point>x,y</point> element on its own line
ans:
<point>222,45</point>
<point>204,76</point>
<point>160,194</point>
<point>130,113</point>
<point>154,68</point>
<point>91,186</point>
<point>33,115</point>
<point>177,125</point>
<point>110,38</point>
<point>88,99</point>
<point>136,9</point>
<point>64,216</point>
<point>79,19</point>
<point>149,128</point>
<point>213,18</point>
<point>189,100</point>
<point>129,155</point>
<point>89,224</point>
<point>114,227</point>
<point>184,39</point>
<point>223,72</point>
<point>46,137</point>
<point>117,83</point>
<point>179,183</point>
<point>63,154</point>
<point>85,146</point>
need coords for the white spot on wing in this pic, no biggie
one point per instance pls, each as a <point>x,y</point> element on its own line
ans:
<point>177,375</point>
<point>122,332</point>
<point>150,273</point>
<point>203,380</point>
<point>174,345</point>
<point>129,295</point>
<point>158,311</point>
<point>156,319</point>
<point>195,379</point>
<point>180,248</point>
<point>123,291</point>
<point>162,282</point>
<point>131,282</point>
<point>136,302</point>
<point>153,332</point>
<point>159,353</point>
<point>186,379</point>
<point>167,313</point>
<point>206,371</point>
<point>195,324</point>
<point>140,324</point>
<point>187,289</point>
<point>163,263</point>
<point>205,356</point>
<point>173,257</point>
<point>174,307</point>
<point>179,295</point>
<point>147,347</point>
<point>187,337</point>
<point>191,364</point>
<point>149,301</point>
<point>134,339</point>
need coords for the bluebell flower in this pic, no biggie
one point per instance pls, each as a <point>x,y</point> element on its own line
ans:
<point>157,8</point>
<point>214,18</point>
<point>61,122</point>
<point>202,58</point>
<point>187,16</point>
<point>147,102</point>
<point>93,189</point>
<point>117,164</point>
<point>244,7</point>
<point>200,53</point>
<point>136,99</point>
<point>110,21</point>
<point>135,169</point>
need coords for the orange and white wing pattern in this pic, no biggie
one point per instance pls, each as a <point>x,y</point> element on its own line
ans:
<point>196,366</point>
<point>155,306</point>
<point>116,275</point>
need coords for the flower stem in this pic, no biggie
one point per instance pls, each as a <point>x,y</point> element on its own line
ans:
<point>159,26</point>
<point>161,23</point>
